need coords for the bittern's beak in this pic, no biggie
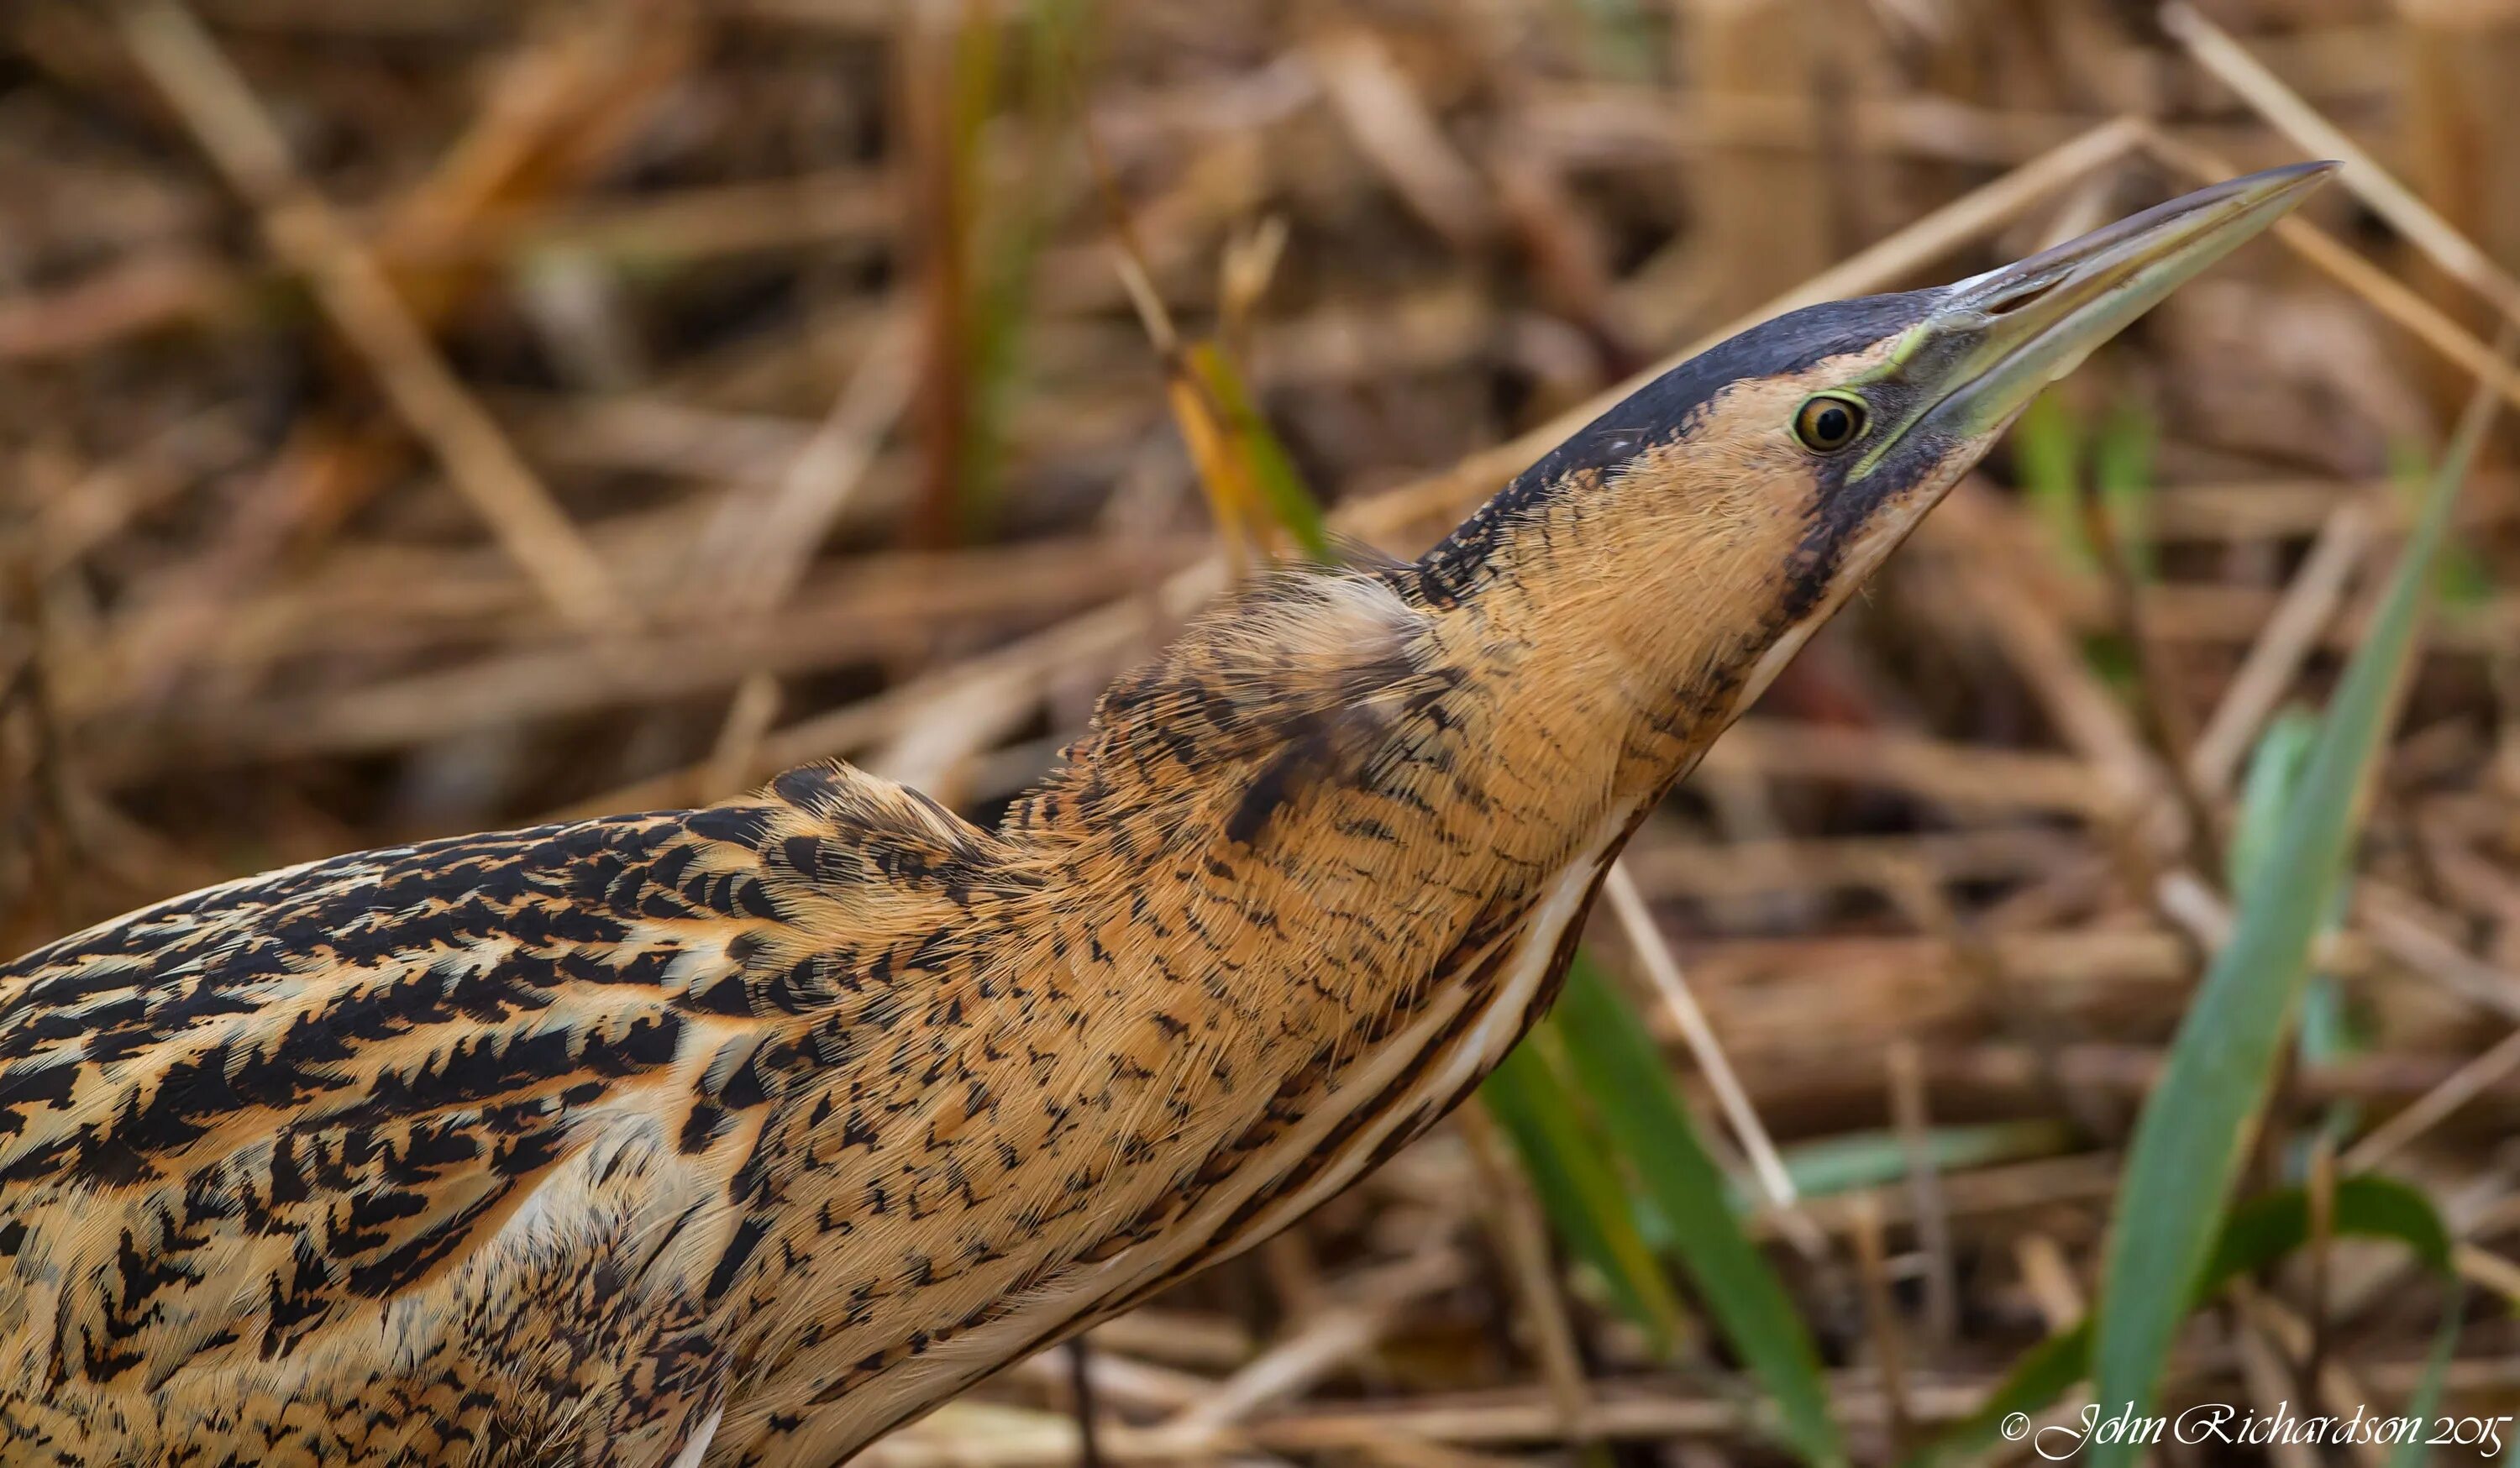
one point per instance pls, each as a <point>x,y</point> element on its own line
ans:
<point>2003,335</point>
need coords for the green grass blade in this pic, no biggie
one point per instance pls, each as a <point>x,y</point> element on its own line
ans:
<point>2274,773</point>
<point>2265,1230</point>
<point>2258,1233</point>
<point>2048,460</point>
<point>2044,1374</point>
<point>1618,38</point>
<point>1011,228</point>
<point>2327,1033</point>
<point>2461,579</point>
<point>1264,457</point>
<point>2427,1403</point>
<point>1632,1091</point>
<point>2121,472</point>
<point>1579,1186</point>
<point>2190,1141</point>
<point>1872,1159</point>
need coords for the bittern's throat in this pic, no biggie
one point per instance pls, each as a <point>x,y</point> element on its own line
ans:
<point>738,1136</point>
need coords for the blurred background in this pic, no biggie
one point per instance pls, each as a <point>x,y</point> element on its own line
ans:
<point>425,417</point>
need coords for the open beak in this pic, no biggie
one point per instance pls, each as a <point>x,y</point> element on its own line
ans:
<point>2021,327</point>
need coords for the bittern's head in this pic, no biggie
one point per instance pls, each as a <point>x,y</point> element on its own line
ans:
<point>1724,509</point>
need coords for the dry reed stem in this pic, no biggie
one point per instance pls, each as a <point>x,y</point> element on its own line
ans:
<point>2050,1281</point>
<point>2087,714</point>
<point>756,548</point>
<point>159,290</point>
<point>241,137</point>
<point>2489,1271</point>
<point>2391,298</point>
<point>1912,1117</point>
<point>1390,124</point>
<point>2275,1323</point>
<point>1522,1238</point>
<point>2289,115</point>
<point>1369,1305</point>
<point>1636,923</point>
<point>2434,1106</point>
<point>2288,637</point>
<point>2264,1373</point>
<point>1881,1321</point>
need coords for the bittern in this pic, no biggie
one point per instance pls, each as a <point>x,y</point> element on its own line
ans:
<point>741,1135</point>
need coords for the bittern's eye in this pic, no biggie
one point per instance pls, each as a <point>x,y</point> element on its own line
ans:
<point>1828,423</point>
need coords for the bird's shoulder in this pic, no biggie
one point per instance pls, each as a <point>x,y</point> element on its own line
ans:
<point>1305,679</point>
<point>346,1076</point>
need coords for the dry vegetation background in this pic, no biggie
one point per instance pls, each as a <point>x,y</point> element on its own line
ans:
<point>427,415</point>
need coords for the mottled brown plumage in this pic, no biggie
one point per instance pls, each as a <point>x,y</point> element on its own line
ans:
<point>743,1135</point>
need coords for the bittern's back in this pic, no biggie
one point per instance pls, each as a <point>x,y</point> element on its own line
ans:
<point>763,1126</point>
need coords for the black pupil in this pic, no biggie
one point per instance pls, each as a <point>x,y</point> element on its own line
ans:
<point>1832,424</point>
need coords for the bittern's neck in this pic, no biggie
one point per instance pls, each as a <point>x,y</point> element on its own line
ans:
<point>1627,636</point>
